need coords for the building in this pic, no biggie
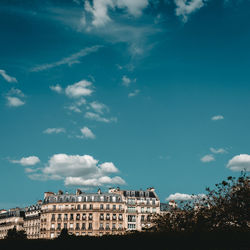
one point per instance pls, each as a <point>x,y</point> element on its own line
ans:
<point>94,214</point>
<point>10,219</point>
<point>32,220</point>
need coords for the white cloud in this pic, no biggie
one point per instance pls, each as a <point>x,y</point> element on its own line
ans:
<point>98,107</point>
<point>79,89</point>
<point>15,91</point>
<point>126,81</point>
<point>87,133</point>
<point>57,88</point>
<point>7,77</point>
<point>99,9</point>
<point>239,163</point>
<point>70,60</point>
<point>97,117</point>
<point>184,197</point>
<point>80,170</point>
<point>132,94</point>
<point>54,130</point>
<point>207,158</point>
<point>187,7</point>
<point>14,101</point>
<point>27,161</point>
<point>218,151</point>
<point>217,117</point>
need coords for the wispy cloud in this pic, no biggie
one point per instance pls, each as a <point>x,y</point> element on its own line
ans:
<point>57,88</point>
<point>218,151</point>
<point>7,77</point>
<point>185,7</point>
<point>86,133</point>
<point>217,117</point>
<point>132,94</point>
<point>72,59</point>
<point>207,158</point>
<point>54,130</point>
<point>14,101</point>
<point>99,118</point>
<point>27,161</point>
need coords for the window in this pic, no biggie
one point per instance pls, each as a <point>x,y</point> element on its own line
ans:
<point>107,226</point>
<point>120,207</point>
<point>142,218</point>
<point>77,226</point>
<point>59,226</point>
<point>59,217</point>
<point>101,217</point>
<point>107,217</point>
<point>131,218</point>
<point>107,206</point>
<point>114,207</point>
<point>120,226</point>
<point>101,206</point>
<point>84,207</point>
<point>142,209</point>
<point>90,226</point>
<point>131,226</point>
<point>54,207</point>
<point>83,226</point>
<point>78,217</point>
<point>91,206</point>
<point>78,206</point>
<point>65,216</point>
<point>52,225</point>
<point>114,217</point>
<point>148,209</point>
<point>71,216</point>
<point>153,210</point>
<point>113,226</point>
<point>53,217</point>
<point>90,217</point>
<point>101,226</point>
<point>132,209</point>
<point>65,225</point>
<point>71,225</point>
<point>52,235</point>
<point>153,201</point>
<point>120,217</point>
<point>148,218</point>
<point>83,216</point>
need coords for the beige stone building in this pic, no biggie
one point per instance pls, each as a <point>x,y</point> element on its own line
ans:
<point>32,221</point>
<point>94,214</point>
<point>10,219</point>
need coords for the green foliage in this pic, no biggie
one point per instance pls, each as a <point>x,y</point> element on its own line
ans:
<point>13,234</point>
<point>225,208</point>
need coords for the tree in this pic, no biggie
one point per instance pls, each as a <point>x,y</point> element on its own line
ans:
<point>64,235</point>
<point>13,234</point>
<point>224,208</point>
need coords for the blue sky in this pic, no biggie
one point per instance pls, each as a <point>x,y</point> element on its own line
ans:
<point>122,93</point>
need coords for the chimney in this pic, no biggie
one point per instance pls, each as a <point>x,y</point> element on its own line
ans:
<point>99,191</point>
<point>47,194</point>
<point>60,192</point>
<point>78,191</point>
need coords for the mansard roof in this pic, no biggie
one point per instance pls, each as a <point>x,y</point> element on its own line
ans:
<point>84,197</point>
<point>140,193</point>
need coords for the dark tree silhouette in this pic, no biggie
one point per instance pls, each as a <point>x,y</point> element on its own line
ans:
<point>224,208</point>
<point>13,234</point>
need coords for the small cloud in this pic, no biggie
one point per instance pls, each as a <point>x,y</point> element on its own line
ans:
<point>7,77</point>
<point>217,117</point>
<point>87,133</point>
<point>126,81</point>
<point>185,8</point>
<point>239,163</point>
<point>79,89</point>
<point>97,117</point>
<point>207,158</point>
<point>70,60</point>
<point>135,93</point>
<point>54,130</point>
<point>15,91</point>
<point>57,88</point>
<point>218,151</point>
<point>184,197</point>
<point>14,101</point>
<point>98,107</point>
<point>27,161</point>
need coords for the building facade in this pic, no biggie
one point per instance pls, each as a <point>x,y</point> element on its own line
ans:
<point>10,219</point>
<point>94,214</point>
